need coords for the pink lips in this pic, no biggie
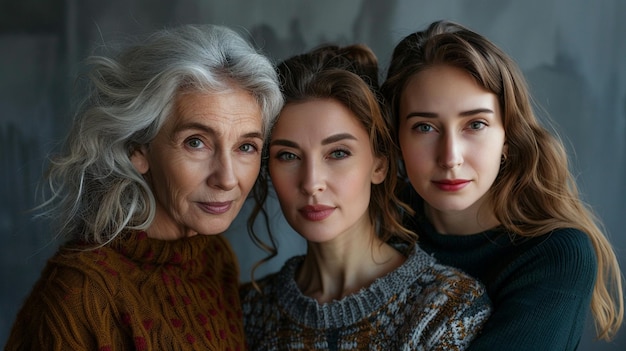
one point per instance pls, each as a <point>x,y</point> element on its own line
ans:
<point>316,212</point>
<point>451,184</point>
<point>215,207</point>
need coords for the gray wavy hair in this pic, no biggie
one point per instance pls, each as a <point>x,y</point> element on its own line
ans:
<point>95,192</point>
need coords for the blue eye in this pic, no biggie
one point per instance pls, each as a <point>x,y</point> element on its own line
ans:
<point>248,148</point>
<point>477,125</point>
<point>286,156</point>
<point>195,143</point>
<point>423,127</point>
<point>339,154</point>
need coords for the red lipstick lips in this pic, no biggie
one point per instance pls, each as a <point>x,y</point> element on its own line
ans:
<point>451,184</point>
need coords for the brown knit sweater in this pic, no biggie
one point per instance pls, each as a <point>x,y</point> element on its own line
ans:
<point>135,294</point>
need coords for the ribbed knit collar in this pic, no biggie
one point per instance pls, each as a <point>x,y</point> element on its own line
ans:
<point>350,309</point>
<point>140,248</point>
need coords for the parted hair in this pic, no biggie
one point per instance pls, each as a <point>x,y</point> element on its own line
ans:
<point>95,192</point>
<point>535,192</point>
<point>349,75</point>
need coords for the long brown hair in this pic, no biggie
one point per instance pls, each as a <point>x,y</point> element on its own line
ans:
<point>534,193</point>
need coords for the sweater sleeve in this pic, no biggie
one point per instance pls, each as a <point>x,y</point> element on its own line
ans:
<point>542,298</point>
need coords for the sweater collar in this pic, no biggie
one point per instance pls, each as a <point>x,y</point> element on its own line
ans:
<point>352,308</point>
<point>138,247</point>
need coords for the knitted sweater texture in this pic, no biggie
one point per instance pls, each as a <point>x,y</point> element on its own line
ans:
<point>422,305</point>
<point>136,293</point>
<point>540,287</point>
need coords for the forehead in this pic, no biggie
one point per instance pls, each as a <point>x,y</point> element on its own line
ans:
<point>234,109</point>
<point>445,86</point>
<point>316,117</point>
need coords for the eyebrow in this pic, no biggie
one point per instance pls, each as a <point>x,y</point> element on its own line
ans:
<point>331,139</point>
<point>462,114</point>
<point>208,130</point>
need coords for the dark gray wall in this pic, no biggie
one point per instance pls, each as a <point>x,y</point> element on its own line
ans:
<point>573,53</point>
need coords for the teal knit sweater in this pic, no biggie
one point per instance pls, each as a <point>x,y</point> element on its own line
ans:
<point>422,305</point>
<point>540,287</point>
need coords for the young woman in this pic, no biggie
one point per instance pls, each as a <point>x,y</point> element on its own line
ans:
<point>330,166</point>
<point>493,194</point>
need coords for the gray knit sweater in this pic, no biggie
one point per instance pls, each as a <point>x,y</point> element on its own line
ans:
<point>422,305</point>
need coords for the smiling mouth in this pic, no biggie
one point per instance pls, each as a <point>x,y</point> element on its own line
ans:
<point>215,207</point>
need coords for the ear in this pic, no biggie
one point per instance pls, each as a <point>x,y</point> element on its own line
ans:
<point>139,158</point>
<point>380,170</point>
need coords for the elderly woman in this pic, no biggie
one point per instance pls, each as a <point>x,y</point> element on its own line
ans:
<point>158,162</point>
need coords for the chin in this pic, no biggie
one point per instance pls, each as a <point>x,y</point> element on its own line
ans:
<point>213,227</point>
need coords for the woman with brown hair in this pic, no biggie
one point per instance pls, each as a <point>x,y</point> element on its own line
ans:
<point>493,194</point>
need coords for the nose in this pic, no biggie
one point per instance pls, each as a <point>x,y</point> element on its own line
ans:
<point>313,178</point>
<point>222,174</point>
<point>450,151</point>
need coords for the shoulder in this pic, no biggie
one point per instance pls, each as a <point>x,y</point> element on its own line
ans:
<point>561,263</point>
<point>277,288</point>
<point>450,282</point>
<point>68,290</point>
<point>259,304</point>
<point>269,286</point>
<point>564,252</point>
<point>73,277</point>
<point>442,284</point>
<point>449,310</point>
<point>435,275</point>
<point>566,240</point>
<point>258,288</point>
<point>70,275</point>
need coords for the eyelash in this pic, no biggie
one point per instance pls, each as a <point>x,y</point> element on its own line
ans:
<point>346,153</point>
<point>254,147</point>
<point>417,127</point>
<point>287,156</point>
<point>482,124</point>
<point>193,139</point>
<point>282,156</point>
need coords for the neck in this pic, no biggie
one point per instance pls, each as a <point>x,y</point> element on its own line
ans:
<point>164,228</point>
<point>476,219</point>
<point>331,271</point>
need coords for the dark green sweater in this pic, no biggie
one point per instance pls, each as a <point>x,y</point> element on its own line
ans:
<point>540,287</point>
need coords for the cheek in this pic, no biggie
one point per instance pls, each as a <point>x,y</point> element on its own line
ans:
<point>493,166</point>
<point>282,181</point>
<point>417,159</point>
<point>247,173</point>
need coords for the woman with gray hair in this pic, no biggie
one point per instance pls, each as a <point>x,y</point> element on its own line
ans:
<point>159,160</point>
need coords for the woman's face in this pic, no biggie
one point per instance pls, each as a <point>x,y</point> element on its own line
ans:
<point>203,163</point>
<point>322,167</point>
<point>452,138</point>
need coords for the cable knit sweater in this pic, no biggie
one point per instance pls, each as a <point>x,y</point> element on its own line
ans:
<point>135,294</point>
<point>422,305</point>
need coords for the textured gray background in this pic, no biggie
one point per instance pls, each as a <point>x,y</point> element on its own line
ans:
<point>572,51</point>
